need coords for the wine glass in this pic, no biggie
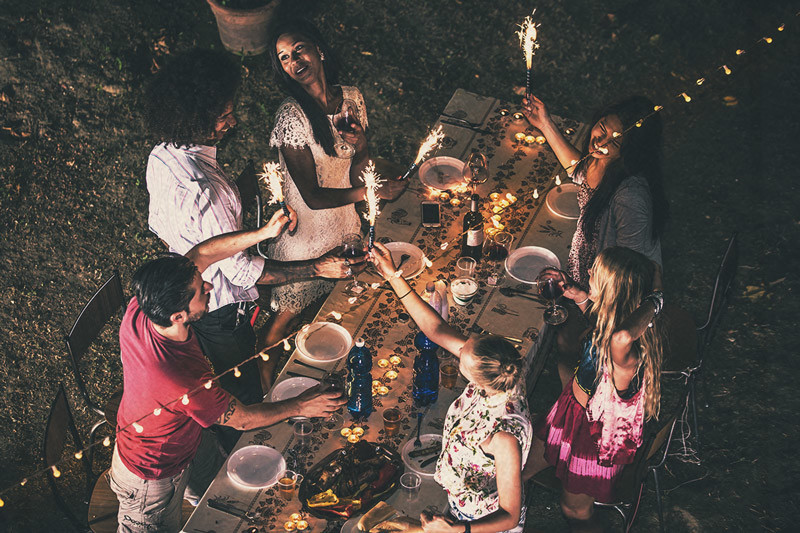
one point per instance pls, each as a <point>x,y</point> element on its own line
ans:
<point>353,248</point>
<point>344,119</point>
<point>475,170</point>
<point>334,382</point>
<point>549,288</point>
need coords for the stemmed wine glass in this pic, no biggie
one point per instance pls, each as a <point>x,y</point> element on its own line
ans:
<point>549,288</point>
<point>353,248</point>
<point>344,119</point>
<point>475,170</point>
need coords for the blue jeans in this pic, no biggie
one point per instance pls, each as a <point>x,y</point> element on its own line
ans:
<point>147,506</point>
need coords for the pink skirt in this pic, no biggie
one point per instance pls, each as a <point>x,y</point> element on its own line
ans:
<point>569,447</point>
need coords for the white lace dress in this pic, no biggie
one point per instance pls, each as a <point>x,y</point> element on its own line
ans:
<point>318,230</point>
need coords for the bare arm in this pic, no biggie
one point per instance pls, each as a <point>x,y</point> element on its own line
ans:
<point>536,113</point>
<point>301,166</point>
<point>330,265</point>
<point>223,246</point>
<point>428,320</point>
<point>310,404</point>
<point>624,358</point>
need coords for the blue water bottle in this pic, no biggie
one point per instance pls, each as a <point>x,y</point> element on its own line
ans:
<point>359,381</point>
<point>425,384</point>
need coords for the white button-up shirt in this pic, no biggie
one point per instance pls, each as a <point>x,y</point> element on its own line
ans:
<point>191,200</point>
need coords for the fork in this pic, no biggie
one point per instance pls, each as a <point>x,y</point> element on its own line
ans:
<point>417,442</point>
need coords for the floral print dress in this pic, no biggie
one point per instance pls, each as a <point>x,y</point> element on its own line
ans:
<point>466,473</point>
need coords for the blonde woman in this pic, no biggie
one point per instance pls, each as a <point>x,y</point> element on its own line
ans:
<point>595,426</point>
<point>487,431</point>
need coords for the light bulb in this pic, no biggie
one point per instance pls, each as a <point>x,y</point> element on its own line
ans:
<point>658,108</point>
<point>444,245</point>
<point>558,179</point>
<point>157,411</point>
<point>686,97</point>
<point>739,52</point>
<point>726,70</point>
<point>700,81</point>
<point>107,442</point>
<point>286,346</point>
<point>56,471</point>
<point>237,372</point>
<point>185,399</point>
<point>535,194</point>
<point>208,384</point>
<point>264,356</point>
<point>79,454</point>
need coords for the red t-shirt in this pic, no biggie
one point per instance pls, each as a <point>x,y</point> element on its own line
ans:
<point>156,371</point>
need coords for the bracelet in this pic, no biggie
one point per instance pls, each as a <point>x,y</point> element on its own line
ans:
<point>657,299</point>
<point>406,294</point>
<point>584,301</point>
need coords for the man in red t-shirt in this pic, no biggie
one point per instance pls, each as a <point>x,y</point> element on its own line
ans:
<point>167,380</point>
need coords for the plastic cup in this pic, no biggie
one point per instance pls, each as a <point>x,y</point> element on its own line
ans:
<point>410,483</point>
<point>465,267</point>
<point>302,432</point>
<point>391,421</point>
<point>288,484</point>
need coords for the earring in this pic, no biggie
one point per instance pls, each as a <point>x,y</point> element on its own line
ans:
<point>321,56</point>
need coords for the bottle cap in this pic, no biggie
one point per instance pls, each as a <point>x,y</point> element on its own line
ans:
<point>430,287</point>
<point>359,342</point>
<point>476,197</point>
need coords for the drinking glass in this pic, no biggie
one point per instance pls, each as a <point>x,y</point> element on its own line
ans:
<point>410,483</point>
<point>449,372</point>
<point>334,383</point>
<point>550,289</point>
<point>497,246</point>
<point>353,248</point>
<point>343,120</point>
<point>464,286</point>
<point>288,483</point>
<point>475,170</point>
<point>391,421</point>
<point>302,430</point>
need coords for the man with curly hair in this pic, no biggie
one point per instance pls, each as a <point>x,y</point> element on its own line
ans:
<point>190,109</point>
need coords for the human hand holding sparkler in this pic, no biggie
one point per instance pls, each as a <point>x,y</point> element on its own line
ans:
<point>278,222</point>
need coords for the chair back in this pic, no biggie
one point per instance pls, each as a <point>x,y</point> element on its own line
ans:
<point>719,296</point>
<point>108,300</point>
<point>59,428</point>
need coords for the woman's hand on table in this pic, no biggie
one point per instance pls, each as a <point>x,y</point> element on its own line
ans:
<point>278,222</point>
<point>382,259</point>
<point>313,403</point>
<point>436,523</point>
<point>391,189</point>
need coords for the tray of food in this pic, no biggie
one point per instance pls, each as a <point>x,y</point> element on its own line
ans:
<point>350,480</point>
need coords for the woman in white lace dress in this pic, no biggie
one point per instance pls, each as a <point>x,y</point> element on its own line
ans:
<point>321,181</point>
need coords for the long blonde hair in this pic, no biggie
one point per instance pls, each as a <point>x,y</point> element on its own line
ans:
<point>621,278</point>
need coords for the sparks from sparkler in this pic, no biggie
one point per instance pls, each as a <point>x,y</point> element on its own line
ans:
<point>527,40</point>
<point>372,182</point>
<point>273,179</point>
<point>434,139</point>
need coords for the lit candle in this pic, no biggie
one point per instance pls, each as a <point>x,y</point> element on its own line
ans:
<point>376,383</point>
<point>289,526</point>
<point>492,231</point>
<point>497,209</point>
<point>518,116</point>
<point>383,390</point>
<point>511,198</point>
<point>296,517</point>
<point>346,432</point>
<point>504,112</point>
<point>301,525</point>
<point>391,374</point>
<point>444,197</point>
<point>353,438</point>
<point>455,202</point>
<point>395,360</point>
<point>530,139</point>
<point>496,217</point>
<point>494,196</point>
<point>519,136</point>
<point>383,363</point>
<point>504,203</point>
<point>462,188</point>
<point>358,431</point>
<point>540,139</point>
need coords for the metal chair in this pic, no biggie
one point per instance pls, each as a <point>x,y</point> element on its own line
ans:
<point>104,304</point>
<point>60,427</point>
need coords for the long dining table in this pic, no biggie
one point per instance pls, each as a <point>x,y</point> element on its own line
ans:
<point>518,165</point>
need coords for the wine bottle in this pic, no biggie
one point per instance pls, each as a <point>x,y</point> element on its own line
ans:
<point>472,240</point>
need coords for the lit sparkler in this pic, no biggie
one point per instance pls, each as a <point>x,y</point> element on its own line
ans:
<point>372,181</point>
<point>527,40</point>
<point>434,139</point>
<point>273,178</point>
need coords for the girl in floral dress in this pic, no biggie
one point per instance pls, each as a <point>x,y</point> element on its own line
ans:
<point>487,431</point>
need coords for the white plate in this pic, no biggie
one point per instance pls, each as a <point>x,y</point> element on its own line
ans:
<point>291,388</point>
<point>324,341</point>
<point>442,172</point>
<point>256,467</point>
<point>428,439</point>
<point>524,264</point>
<point>414,265</point>
<point>562,201</point>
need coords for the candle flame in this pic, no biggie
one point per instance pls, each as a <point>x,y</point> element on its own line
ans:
<point>434,139</point>
<point>372,181</point>
<point>527,38</point>
<point>273,179</point>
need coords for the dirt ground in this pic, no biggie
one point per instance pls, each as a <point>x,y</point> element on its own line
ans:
<point>73,200</point>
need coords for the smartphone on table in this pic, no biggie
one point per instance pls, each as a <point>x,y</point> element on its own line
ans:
<point>431,214</point>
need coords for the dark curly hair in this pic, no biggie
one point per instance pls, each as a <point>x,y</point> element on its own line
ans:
<point>163,287</point>
<point>320,124</point>
<point>189,94</point>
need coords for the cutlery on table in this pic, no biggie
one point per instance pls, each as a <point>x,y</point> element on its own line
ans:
<point>232,510</point>
<point>417,442</point>
<point>462,121</point>
<point>403,259</point>
<point>428,461</point>
<point>451,122</point>
<point>296,375</point>
<point>479,330</point>
<point>509,292</point>
<point>301,363</point>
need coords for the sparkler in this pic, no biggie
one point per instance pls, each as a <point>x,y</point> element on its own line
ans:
<point>273,178</point>
<point>434,139</point>
<point>372,181</point>
<point>527,40</point>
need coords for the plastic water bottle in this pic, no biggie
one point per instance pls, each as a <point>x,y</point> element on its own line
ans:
<point>359,381</point>
<point>425,384</point>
